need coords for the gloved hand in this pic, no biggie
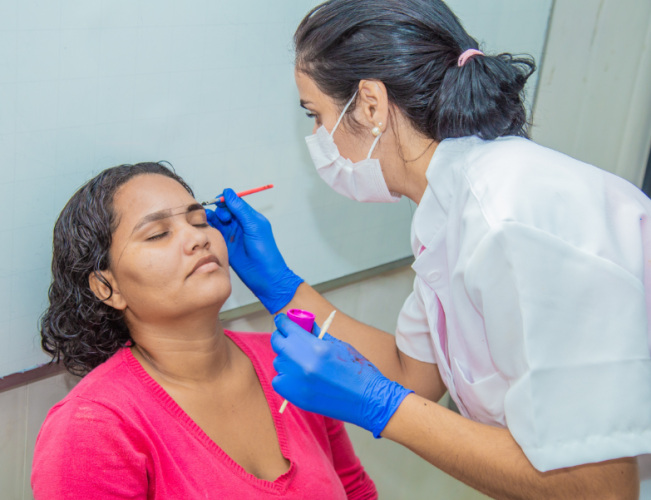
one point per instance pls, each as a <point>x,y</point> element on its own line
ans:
<point>253,253</point>
<point>332,378</point>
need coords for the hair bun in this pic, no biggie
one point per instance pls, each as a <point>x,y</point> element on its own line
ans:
<point>484,97</point>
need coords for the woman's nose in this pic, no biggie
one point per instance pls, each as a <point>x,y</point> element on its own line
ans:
<point>195,239</point>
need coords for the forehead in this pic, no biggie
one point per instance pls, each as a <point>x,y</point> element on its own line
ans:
<point>307,89</point>
<point>146,194</point>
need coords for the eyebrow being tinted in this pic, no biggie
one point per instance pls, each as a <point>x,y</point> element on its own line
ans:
<point>304,103</point>
<point>164,214</point>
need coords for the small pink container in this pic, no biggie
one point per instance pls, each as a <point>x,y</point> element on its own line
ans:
<point>304,319</point>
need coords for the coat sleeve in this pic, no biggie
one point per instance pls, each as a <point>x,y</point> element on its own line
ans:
<point>567,328</point>
<point>85,447</point>
<point>413,335</point>
<point>356,482</point>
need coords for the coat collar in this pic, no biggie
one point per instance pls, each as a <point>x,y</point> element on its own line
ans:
<point>443,175</point>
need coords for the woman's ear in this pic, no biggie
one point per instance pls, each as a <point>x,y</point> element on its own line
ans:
<point>374,103</point>
<point>99,282</point>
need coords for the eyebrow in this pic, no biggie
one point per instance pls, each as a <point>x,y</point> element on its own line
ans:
<point>163,214</point>
<point>304,103</point>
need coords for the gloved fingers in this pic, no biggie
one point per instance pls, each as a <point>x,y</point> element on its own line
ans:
<point>224,215</point>
<point>293,391</point>
<point>330,338</point>
<point>211,216</point>
<point>228,231</point>
<point>285,366</point>
<point>240,208</point>
<point>287,326</point>
<point>279,319</point>
<point>282,385</point>
<point>230,228</point>
<point>316,331</point>
<point>219,218</point>
<point>220,204</point>
<point>278,341</point>
<point>250,218</point>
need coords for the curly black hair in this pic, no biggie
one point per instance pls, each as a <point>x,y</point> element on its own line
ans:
<point>77,328</point>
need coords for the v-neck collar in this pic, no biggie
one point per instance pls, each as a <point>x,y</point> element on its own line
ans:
<point>281,483</point>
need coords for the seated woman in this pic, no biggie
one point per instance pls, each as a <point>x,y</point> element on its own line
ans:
<point>172,406</point>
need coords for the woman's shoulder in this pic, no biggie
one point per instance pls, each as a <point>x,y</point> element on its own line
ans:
<point>515,179</point>
<point>109,384</point>
<point>107,404</point>
<point>494,161</point>
<point>82,434</point>
<point>507,172</point>
<point>78,415</point>
<point>84,419</point>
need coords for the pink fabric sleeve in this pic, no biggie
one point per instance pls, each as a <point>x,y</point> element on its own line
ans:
<point>357,483</point>
<point>78,439</point>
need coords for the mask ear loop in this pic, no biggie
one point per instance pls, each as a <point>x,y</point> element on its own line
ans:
<point>343,113</point>
<point>373,146</point>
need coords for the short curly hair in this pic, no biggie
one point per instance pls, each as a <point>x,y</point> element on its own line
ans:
<point>77,328</point>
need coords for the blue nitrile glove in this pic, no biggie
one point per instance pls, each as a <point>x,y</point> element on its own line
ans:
<point>332,378</point>
<point>253,253</point>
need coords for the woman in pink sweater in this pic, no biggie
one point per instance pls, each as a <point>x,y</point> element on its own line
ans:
<point>171,406</point>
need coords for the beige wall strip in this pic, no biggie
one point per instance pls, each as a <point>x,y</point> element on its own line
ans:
<point>593,99</point>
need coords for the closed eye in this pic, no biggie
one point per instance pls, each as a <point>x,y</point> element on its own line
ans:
<point>157,236</point>
<point>204,224</point>
<point>310,115</point>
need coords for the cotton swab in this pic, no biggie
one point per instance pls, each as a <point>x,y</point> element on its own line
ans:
<point>240,194</point>
<point>324,329</point>
<point>283,406</point>
<point>326,324</point>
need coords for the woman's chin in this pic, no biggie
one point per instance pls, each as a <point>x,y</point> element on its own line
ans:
<point>207,292</point>
<point>216,279</point>
<point>210,300</point>
<point>214,291</point>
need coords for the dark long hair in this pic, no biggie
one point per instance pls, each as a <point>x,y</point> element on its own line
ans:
<point>413,47</point>
<point>77,328</point>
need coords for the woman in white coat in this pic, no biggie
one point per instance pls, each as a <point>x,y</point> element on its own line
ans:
<point>529,304</point>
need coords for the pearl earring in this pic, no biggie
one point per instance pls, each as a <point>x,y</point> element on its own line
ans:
<point>376,130</point>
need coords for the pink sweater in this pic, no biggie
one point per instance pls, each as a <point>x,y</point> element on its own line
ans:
<point>119,435</point>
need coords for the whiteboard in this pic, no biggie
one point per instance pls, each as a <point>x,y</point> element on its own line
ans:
<point>204,84</point>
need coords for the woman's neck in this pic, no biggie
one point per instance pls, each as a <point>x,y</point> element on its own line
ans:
<point>415,179</point>
<point>407,173</point>
<point>189,352</point>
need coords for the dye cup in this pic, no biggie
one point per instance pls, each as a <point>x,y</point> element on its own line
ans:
<point>304,319</point>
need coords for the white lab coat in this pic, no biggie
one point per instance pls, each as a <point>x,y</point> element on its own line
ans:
<point>530,296</point>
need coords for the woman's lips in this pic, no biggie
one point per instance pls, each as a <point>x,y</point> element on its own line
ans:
<point>207,264</point>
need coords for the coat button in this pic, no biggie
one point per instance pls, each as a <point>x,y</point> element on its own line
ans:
<point>434,276</point>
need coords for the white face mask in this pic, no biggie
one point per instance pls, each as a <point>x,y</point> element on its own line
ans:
<point>361,181</point>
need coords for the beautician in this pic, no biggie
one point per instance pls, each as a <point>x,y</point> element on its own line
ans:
<point>529,303</point>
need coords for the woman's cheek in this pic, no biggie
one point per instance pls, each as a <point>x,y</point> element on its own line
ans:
<point>220,249</point>
<point>155,268</point>
<point>349,152</point>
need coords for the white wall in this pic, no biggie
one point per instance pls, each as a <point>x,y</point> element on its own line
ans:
<point>205,84</point>
<point>594,95</point>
